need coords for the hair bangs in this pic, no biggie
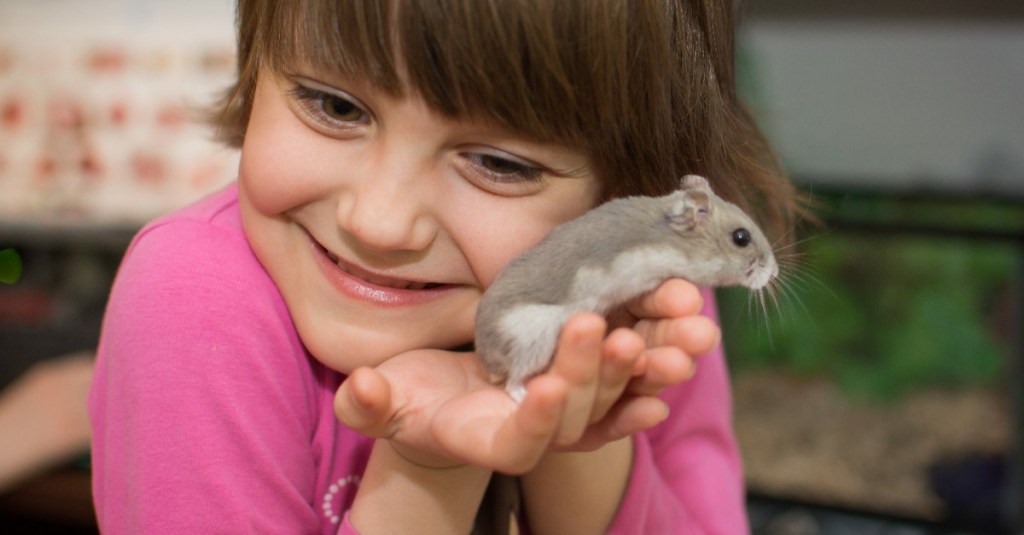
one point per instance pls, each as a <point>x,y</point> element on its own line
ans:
<point>561,71</point>
<point>351,39</point>
<point>489,61</point>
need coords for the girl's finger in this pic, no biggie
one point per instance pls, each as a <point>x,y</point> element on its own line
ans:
<point>674,298</point>
<point>622,350</point>
<point>363,403</point>
<point>518,443</point>
<point>578,361</point>
<point>630,416</point>
<point>665,366</point>
<point>695,335</point>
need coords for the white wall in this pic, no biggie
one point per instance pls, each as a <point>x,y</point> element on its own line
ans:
<point>98,107</point>
<point>899,104</point>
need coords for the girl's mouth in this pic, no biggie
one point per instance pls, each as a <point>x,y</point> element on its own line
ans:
<point>375,288</point>
<point>378,280</point>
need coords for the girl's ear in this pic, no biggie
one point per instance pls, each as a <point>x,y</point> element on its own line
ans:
<point>690,209</point>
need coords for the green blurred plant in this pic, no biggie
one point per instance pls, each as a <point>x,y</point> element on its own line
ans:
<point>880,315</point>
<point>10,266</point>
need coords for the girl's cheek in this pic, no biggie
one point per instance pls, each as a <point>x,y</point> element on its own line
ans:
<point>279,163</point>
<point>497,251</point>
<point>268,188</point>
<point>500,235</point>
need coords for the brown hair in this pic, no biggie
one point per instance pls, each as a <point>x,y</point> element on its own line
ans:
<point>645,88</point>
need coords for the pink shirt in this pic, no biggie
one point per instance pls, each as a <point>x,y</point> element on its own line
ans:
<point>209,416</point>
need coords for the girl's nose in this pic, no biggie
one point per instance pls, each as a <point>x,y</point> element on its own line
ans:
<point>387,208</point>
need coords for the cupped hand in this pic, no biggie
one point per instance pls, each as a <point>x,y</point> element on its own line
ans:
<point>437,408</point>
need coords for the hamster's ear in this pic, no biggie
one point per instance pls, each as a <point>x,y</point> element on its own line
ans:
<point>690,210</point>
<point>694,182</point>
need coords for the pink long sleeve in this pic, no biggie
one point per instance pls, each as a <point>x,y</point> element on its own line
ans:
<point>208,415</point>
<point>687,475</point>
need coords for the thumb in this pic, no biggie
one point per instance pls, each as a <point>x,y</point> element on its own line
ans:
<point>363,403</point>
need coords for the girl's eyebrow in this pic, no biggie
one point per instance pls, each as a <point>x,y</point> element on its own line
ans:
<point>308,73</point>
<point>317,84</point>
<point>306,69</point>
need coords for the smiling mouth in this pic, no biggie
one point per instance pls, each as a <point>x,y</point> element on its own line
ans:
<point>375,279</point>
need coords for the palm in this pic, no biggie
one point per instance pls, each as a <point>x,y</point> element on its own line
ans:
<point>439,406</point>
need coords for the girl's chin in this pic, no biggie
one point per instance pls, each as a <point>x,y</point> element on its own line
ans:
<point>373,350</point>
<point>349,362</point>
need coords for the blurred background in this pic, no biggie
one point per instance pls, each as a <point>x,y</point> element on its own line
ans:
<point>100,131</point>
<point>880,390</point>
<point>877,391</point>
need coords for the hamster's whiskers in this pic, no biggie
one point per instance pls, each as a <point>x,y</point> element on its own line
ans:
<point>783,294</point>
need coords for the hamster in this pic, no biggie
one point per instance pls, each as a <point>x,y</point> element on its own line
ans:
<point>606,257</point>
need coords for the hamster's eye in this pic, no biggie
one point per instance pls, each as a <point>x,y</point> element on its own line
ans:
<point>741,237</point>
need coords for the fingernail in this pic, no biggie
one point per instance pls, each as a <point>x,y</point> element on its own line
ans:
<point>693,369</point>
<point>665,412</point>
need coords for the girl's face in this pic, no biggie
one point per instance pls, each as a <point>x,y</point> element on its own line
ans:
<point>381,221</point>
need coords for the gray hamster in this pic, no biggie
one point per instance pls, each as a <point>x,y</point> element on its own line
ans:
<point>606,257</point>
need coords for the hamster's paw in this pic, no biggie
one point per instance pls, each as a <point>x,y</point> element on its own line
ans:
<point>517,390</point>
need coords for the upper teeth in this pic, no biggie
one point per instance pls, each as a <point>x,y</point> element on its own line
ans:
<point>374,279</point>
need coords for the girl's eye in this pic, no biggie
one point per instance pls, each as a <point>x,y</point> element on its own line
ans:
<point>329,109</point>
<point>341,109</point>
<point>504,169</point>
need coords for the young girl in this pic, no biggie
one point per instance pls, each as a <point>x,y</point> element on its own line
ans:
<point>395,155</point>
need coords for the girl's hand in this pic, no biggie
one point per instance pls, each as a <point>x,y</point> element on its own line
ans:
<point>438,409</point>
<point>614,381</point>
